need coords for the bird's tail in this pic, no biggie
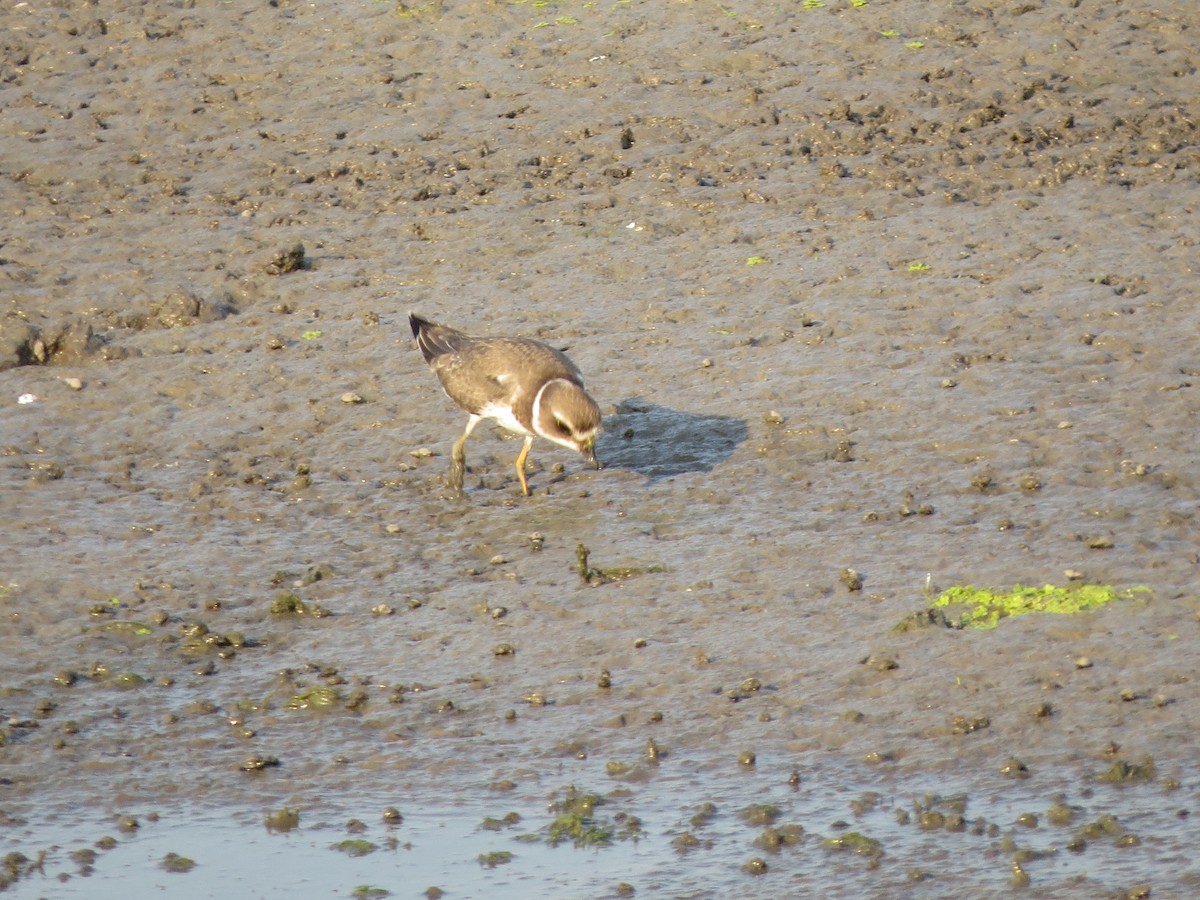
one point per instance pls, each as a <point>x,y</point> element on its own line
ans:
<point>433,339</point>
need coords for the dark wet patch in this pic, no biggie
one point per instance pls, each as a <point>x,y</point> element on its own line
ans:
<point>660,442</point>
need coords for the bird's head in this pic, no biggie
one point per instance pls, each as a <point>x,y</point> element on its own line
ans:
<point>566,415</point>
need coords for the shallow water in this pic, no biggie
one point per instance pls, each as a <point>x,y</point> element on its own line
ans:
<point>443,847</point>
<point>923,312</point>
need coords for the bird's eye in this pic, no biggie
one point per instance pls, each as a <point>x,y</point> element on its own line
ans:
<point>563,427</point>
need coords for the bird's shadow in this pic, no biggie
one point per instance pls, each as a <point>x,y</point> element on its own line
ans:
<point>659,442</point>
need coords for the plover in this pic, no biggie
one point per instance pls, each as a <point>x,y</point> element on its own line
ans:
<point>525,385</point>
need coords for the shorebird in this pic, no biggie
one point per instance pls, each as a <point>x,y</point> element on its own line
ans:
<point>528,387</point>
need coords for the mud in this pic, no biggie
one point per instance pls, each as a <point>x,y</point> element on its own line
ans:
<point>881,288</point>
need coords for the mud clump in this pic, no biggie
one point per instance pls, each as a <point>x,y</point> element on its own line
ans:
<point>293,259</point>
<point>66,343</point>
<point>179,309</point>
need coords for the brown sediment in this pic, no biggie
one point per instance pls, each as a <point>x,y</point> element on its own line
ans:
<point>913,295</point>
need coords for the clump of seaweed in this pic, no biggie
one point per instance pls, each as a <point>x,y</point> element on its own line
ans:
<point>594,576</point>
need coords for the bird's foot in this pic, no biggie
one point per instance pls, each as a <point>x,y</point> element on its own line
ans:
<point>455,477</point>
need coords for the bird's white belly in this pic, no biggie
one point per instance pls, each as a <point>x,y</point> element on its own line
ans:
<point>504,417</point>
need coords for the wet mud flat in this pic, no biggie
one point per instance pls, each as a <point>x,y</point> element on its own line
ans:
<point>875,302</point>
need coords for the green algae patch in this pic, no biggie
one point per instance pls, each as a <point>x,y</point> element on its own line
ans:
<point>355,847</point>
<point>854,842</point>
<point>581,831</point>
<point>971,607</point>
<point>495,858</point>
<point>577,821</point>
<point>491,823</point>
